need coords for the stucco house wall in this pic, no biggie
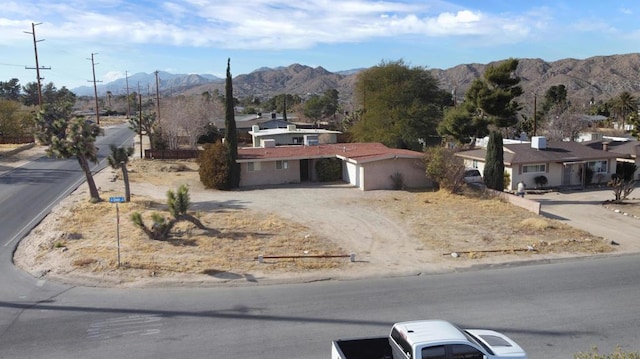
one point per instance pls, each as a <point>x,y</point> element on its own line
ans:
<point>377,174</point>
<point>266,173</point>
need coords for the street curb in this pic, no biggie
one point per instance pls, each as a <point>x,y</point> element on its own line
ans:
<point>18,150</point>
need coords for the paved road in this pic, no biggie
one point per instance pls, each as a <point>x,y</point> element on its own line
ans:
<point>552,310</point>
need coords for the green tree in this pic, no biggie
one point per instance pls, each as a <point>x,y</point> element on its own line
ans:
<point>143,126</point>
<point>14,121</point>
<point>464,124</point>
<point>178,203</point>
<point>10,90</point>
<point>118,159</point>
<point>555,95</point>
<point>30,94</point>
<point>401,105</point>
<point>282,103</point>
<point>494,163</point>
<point>624,106</point>
<point>69,137</point>
<point>313,108</point>
<point>494,95</point>
<point>231,134</point>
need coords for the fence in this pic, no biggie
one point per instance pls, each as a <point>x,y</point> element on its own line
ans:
<point>171,154</point>
<point>15,139</point>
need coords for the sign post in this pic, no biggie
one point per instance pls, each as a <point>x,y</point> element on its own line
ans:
<point>117,200</point>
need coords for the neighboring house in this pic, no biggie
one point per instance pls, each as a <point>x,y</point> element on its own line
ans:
<point>562,163</point>
<point>368,166</point>
<point>626,150</point>
<point>245,123</point>
<point>291,135</point>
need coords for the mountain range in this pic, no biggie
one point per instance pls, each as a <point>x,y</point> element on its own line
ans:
<point>597,78</point>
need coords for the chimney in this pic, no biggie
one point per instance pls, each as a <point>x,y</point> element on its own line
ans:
<point>605,146</point>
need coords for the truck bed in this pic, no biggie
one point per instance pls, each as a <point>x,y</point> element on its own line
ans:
<point>365,348</point>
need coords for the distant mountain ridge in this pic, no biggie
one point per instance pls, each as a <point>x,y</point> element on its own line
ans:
<point>598,77</point>
<point>168,82</point>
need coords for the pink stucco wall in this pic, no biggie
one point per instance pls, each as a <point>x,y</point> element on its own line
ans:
<point>268,174</point>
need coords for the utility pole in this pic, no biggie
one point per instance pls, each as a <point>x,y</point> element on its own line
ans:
<point>38,67</point>
<point>157,96</point>
<point>140,120</point>
<point>535,113</point>
<point>95,87</point>
<point>140,124</point>
<point>126,77</point>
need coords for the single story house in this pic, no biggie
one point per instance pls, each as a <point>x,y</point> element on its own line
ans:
<point>562,163</point>
<point>368,166</point>
<point>627,150</point>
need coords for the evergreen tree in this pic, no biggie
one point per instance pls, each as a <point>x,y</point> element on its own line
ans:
<point>494,163</point>
<point>231,135</point>
<point>494,95</point>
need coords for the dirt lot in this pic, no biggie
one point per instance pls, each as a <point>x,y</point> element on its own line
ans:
<point>389,232</point>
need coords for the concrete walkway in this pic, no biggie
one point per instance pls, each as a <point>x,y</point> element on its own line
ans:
<point>583,209</point>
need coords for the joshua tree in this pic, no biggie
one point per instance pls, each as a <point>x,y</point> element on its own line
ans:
<point>119,158</point>
<point>178,203</point>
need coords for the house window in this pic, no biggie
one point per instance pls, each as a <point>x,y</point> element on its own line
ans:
<point>282,165</point>
<point>298,140</point>
<point>539,168</point>
<point>474,164</point>
<point>253,166</point>
<point>598,166</point>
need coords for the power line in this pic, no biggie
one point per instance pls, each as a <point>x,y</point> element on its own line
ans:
<point>38,67</point>
<point>95,87</point>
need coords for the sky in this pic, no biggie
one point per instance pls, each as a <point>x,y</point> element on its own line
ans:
<point>198,36</point>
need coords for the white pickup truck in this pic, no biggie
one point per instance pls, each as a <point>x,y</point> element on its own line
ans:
<point>430,339</point>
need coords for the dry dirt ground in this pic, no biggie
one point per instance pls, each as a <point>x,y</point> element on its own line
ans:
<point>389,232</point>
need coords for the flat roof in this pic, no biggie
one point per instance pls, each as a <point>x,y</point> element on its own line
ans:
<point>286,131</point>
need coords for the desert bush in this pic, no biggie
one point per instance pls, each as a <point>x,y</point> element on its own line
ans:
<point>540,181</point>
<point>506,177</point>
<point>444,168</point>
<point>621,188</point>
<point>617,354</point>
<point>398,181</point>
<point>626,170</point>
<point>214,170</point>
<point>329,169</point>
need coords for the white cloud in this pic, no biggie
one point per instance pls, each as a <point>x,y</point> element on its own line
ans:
<point>263,24</point>
<point>113,75</point>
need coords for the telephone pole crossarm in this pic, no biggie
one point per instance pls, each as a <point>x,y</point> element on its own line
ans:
<point>38,67</point>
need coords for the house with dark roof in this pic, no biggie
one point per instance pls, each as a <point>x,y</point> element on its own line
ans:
<point>627,150</point>
<point>562,163</point>
<point>368,166</point>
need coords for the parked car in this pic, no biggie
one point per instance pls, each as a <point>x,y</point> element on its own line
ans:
<point>472,175</point>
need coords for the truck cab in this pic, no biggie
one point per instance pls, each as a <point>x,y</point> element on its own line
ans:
<point>438,339</point>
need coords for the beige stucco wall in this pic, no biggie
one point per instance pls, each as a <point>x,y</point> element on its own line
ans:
<point>268,174</point>
<point>287,138</point>
<point>377,175</point>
